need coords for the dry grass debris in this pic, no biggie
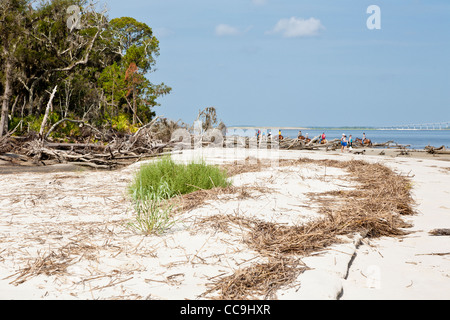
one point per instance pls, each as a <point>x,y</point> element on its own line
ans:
<point>262,279</point>
<point>198,198</point>
<point>440,232</point>
<point>374,209</point>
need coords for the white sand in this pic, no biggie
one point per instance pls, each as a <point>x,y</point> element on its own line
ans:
<point>86,212</point>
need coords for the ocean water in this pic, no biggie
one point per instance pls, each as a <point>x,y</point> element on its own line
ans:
<point>416,139</point>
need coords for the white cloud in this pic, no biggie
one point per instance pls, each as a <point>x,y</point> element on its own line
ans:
<point>226,30</point>
<point>297,27</point>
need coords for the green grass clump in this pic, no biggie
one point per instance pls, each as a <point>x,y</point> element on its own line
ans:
<point>153,215</point>
<point>164,179</point>
<point>179,178</point>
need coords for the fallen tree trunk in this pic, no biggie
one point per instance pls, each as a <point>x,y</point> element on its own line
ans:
<point>440,150</point>
<point>74,145</point>
<point>47,111</point>
<point>73,121</point>
<point>313,140</point>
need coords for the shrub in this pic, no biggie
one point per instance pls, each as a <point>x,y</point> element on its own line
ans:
<point>122,124</point>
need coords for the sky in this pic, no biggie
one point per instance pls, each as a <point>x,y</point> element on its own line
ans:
<point>300,63</point>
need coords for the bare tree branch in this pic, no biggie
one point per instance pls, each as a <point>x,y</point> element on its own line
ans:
<point>73,121</point>
<point>47,111</point>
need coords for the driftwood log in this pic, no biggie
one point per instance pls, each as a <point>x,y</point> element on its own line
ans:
<point>111,152</point>
<point>440,150</point>
<point>152,139</point>
<point>94,155</point>
<point>82,123</point>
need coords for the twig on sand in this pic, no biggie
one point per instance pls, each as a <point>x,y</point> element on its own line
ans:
<point>440,232</point>
<point>434,254</point>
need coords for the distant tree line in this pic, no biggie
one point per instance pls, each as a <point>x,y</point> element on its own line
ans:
<point>95,67</point>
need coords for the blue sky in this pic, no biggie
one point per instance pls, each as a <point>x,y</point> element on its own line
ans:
<point>300,63</point>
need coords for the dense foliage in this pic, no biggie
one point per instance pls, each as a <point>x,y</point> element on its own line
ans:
<point>100,66</point>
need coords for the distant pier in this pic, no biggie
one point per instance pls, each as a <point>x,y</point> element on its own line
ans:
<point>422,126</point>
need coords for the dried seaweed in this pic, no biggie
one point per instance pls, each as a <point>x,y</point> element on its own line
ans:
<point>374,209</point>
<point>259,280</point>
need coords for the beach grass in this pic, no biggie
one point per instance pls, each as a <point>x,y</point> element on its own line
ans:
<point>177,179</point>
<point>153,214</point>
<point>162,180</point>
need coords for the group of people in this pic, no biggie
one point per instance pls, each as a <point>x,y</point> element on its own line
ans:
<point>261,135</point>
<point>347,144</point>
<point>300,135</point>
<point>322,138</point>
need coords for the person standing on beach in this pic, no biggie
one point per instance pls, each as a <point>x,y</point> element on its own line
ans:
<point>350,141</point>
<point>343,143</point>
<point>258,137</point>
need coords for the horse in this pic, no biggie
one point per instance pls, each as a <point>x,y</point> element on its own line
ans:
<point>305,139</point>
<point>366,142</point>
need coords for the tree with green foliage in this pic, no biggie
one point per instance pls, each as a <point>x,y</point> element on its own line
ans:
<point>100,67</point>
<point>138,49</point>
<point>13,14</point>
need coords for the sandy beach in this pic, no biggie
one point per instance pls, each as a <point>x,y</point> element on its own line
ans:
<point>64,234</point>
<point>232,154</point>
